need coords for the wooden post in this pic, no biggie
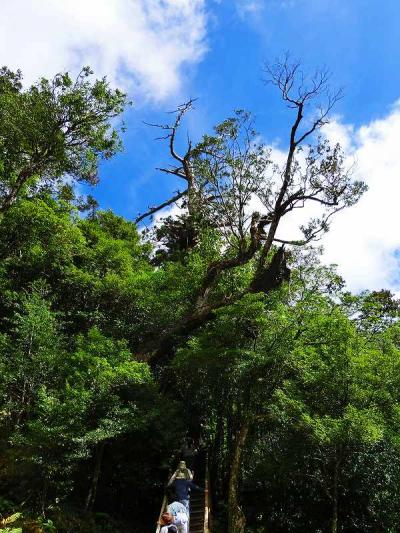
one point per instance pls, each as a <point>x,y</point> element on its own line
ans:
<point>163,507</point>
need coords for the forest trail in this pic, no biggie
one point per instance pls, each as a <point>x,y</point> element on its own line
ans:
<point>199,521</point>
<point>196,524</point>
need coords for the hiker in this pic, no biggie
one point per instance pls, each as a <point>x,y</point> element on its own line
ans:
<point>182,487</point>
<point>176,515</point>
<point>182,469</point>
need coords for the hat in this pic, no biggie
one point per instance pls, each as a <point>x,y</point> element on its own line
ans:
<point>182,464</point>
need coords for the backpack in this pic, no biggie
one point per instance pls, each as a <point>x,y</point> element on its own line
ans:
<point>169,529</point>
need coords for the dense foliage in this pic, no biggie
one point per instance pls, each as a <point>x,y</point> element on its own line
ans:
<point>115,345</point>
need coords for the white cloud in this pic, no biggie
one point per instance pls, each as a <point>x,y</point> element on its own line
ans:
<point>145,45</point>
<point>364,240</point>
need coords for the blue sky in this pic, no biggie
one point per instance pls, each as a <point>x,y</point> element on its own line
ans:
<point>357,40</point>
<point>166,51</point>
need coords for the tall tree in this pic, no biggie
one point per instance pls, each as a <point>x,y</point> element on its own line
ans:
<point>235,365</point>
<point>229,172</point>
<point>56,128</point>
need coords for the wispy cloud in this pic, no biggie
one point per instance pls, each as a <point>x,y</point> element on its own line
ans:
<point>246,8</point>
<point>144,45</point>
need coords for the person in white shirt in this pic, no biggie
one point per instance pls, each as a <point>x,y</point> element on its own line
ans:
<point>176,515</point>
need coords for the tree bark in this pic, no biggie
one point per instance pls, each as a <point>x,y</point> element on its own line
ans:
<point>91,497</point>
<point>236,518</point>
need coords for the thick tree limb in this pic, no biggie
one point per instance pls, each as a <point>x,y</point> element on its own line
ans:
<point>161,350</point>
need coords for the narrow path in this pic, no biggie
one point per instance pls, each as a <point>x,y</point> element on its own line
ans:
<point>198,500</point>
<point>196,524</point>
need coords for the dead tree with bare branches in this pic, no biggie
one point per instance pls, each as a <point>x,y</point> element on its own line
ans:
<point>182,167</point>
<point>233,185</point>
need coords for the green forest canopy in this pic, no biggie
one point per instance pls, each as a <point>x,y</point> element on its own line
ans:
<point>116,344</point>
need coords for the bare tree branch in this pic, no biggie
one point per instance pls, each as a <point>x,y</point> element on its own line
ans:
<point>154,209</point>
<point>175,171</point>
<point>184,169</point>
<point>324,225</point>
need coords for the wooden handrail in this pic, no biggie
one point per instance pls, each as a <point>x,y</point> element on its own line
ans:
<point>163,507</point>
<point>207,501</point>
